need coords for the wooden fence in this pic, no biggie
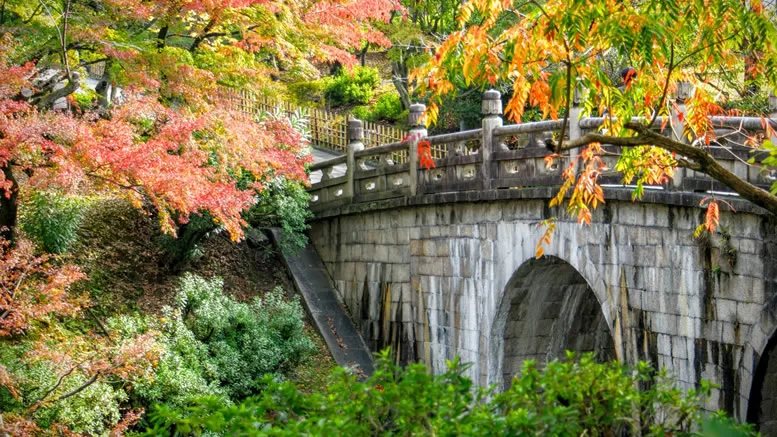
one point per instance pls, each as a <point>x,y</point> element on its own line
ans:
<point>327,128</point>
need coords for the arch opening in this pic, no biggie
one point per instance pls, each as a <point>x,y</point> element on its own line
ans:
<point>762,404</point>
<point>548,308</point>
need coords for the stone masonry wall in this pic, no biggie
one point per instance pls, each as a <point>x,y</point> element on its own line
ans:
<point>431,282</point>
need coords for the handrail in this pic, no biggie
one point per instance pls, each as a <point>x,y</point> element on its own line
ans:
<point>455,137</point>
<point>329,163</point>
<point>527,128</point>
<point>595,122</point>
<point>495,167</point>
<point>380,150</point>
<point>752,123</point>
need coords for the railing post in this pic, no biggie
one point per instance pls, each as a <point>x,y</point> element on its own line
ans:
<point>573,120</point>
<point>355,133</point>
<point>492,118</point>
<point>683,93</point>
<point>417,133</point>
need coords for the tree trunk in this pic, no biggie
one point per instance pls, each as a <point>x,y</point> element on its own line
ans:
<point>161,37</point>
<point>103,88</point>
<point>8,206</point>
<point>363,54</point>
<point>399,79</point>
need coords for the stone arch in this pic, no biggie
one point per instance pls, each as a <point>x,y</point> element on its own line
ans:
<point>547,307</point>
<point>757,373</point>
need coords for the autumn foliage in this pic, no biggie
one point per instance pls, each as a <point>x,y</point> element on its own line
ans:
<point>554,54</point>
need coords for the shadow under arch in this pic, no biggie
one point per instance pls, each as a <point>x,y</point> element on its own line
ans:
<point>762,402</point>
<point>547,308</point>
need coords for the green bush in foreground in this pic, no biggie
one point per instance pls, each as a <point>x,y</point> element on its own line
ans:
<point>217,346</point>
<point>576,397</point>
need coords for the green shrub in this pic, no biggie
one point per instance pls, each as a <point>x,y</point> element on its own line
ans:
<point>85,98</point>
<point>577,397</point>
<point>186,246</point>
<point>362,112</point>
<point>387,108</point>
<point>283,203</point>
<point>91,411</point>
<point>354,87</point>
<point>51,219</point>
<point>307,92</point>
<point>222,348</point>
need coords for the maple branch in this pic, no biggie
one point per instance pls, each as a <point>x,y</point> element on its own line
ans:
<point>35,13</point>
<point>73,84</point>
<point>700,160</point>
<point>568,91</point>
<point>52,389</point>
<point>666,85</point>
<point>80,388</point>
<point>198,40</point>
<point>63,38</point>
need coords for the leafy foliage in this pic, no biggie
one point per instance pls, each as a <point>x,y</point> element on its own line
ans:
<point>283,203</point>
<point>576,397</point>
<point>349,87</point>
<point>215,345</point>
<point>549,53</point>
<point>33,288</point>
<point>51,220</point>
<point>387,108</point>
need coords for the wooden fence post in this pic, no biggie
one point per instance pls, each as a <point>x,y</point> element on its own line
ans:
<point>355,133</point>
<point>417,133</point>
<point>492,118</point>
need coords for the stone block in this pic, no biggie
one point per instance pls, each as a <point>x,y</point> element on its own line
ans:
<point>748,313</point>
<point>728,333</point>
<point>726,310</point>
<point>400,272</point>
<point>654,236</point>
<point>650,301</point>
<point>748,246</point>
<point>663,323</point>
<point>664,344</point>
<point>689,327</point>
<point>712,330</point>
<point>467,231</point>
<point>690,305</point>
<point>416,247</point>
<point>635,298</point>
<point>487,250</point>
<point>429,248</point>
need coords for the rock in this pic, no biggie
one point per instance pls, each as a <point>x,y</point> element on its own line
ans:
<point>256,238</point>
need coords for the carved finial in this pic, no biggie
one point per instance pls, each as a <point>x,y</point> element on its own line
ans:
<point>355,132</point>
<point>684,91</point>
<point>577,95</point>
<point>416,115</point>
<point>492,103</point>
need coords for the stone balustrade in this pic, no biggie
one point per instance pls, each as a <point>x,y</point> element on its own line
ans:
<point>498,156</point>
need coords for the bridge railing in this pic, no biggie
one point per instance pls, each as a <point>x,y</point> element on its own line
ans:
<point>498,156</point>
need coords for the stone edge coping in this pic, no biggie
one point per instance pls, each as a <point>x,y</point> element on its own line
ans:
<point>670,198</point>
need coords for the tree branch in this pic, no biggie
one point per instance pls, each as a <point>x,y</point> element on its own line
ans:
<point>666,86</point>
<point>695,158</point>
<point>73,84</point>
<point>86,384</point>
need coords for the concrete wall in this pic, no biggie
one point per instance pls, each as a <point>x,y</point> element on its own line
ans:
<point>434,282</point>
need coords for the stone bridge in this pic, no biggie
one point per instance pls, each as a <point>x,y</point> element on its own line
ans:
<point>439,263</point>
